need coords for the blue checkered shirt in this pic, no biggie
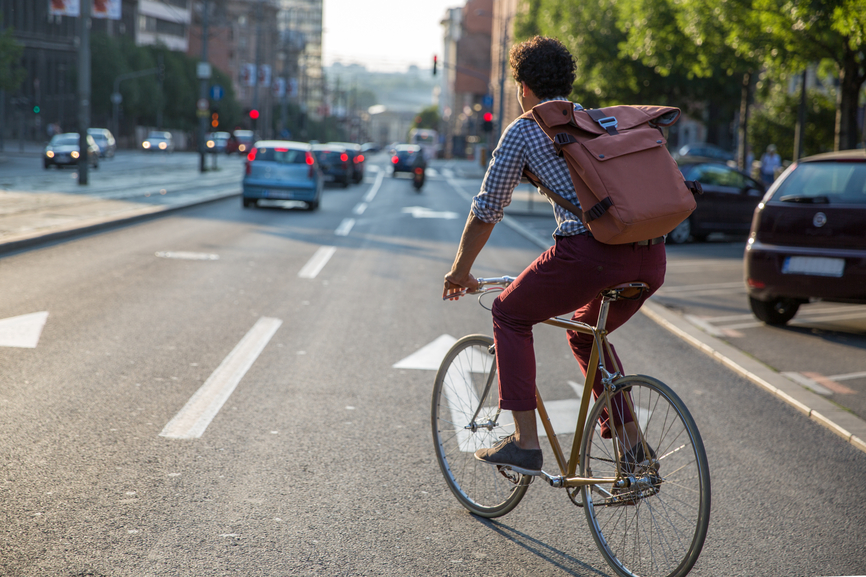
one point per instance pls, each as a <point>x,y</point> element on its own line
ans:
<point>524,144</point>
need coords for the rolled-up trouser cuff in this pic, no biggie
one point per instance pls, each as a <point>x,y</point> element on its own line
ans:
<point>517,405</point>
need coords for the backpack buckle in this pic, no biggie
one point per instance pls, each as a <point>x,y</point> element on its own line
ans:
<point>608,122</point>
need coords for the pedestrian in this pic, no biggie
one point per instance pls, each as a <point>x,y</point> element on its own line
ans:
<point>566,279</point>
<point>770,161</point>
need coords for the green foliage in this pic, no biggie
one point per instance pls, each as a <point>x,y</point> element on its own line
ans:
<point>774,121</point>
<point>11,72</point>
<point>142,98</point>
<point>427,118</point>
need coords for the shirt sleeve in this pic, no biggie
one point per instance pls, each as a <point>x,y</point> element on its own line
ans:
<point>503,175</point>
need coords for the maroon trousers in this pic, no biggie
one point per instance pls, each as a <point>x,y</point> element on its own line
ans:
<point>566,278</point>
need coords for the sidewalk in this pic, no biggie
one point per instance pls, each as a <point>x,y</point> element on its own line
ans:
<point>53,206</point>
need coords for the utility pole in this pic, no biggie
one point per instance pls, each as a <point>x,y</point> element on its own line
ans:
<point>204,77</point>
<point>83,90</point>
<point>258,63</point>
<point>503,57</point>
<point>800,130</point>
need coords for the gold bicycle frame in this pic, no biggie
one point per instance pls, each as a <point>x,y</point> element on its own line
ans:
<point>568,469</point>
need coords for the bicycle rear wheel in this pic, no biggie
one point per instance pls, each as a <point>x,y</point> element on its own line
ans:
<point>657,525</point>
<point>465,417</point>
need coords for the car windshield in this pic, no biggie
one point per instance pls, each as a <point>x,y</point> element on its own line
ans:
<point>328,155</point>
<point>155,136</point>
<point>64,140</point>
<point>282,155</point>
<point>825,183</point>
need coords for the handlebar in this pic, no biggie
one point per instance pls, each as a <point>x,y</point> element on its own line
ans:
<point>485,285</point>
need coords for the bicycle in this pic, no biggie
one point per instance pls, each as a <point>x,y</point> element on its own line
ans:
<point>647,516</point>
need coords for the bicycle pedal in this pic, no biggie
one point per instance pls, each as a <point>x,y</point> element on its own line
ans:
<point>508,473</point>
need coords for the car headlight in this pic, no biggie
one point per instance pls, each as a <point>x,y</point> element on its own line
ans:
<point>145,144</point>
<point>210,143</point>
<point>49,153</point>
<point>242,147</point>
<point>162,146</point>
<point>74,154</point>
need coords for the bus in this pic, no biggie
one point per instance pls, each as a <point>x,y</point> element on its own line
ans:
<point>427,139</point>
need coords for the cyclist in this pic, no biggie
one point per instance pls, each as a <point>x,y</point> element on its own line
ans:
<point>565,279</point>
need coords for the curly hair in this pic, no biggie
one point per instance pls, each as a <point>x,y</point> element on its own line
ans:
<point>545,65</point>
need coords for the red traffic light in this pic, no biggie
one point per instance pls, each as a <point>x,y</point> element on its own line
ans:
<point>254,114</point>
<point>488,117</point>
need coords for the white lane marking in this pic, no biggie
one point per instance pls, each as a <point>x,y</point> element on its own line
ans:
<point>723,286</point>
<point>360,208</point>
<point>345,227</point>
<point>422,212</point>
<point>808,383</point>
<point>317,262</point>
<point>428,357</point>
<point>847,376</point>
<point>371,194</point>
<point>183,255</point>
<point>22,331</point>
<point>203,406</point>
<point>704,325</point>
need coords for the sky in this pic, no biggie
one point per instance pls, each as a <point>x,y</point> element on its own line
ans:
<point>385,35</point>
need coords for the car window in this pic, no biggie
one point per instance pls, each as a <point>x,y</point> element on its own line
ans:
<point>282,155</point>
<point>64,139</point>
<point>839,182</point>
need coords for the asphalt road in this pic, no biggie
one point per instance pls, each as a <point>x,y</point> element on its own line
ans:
<point>320,462</point>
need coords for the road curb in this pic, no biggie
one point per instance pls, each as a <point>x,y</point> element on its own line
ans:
<point>841,422</point>
<point>81,228</point>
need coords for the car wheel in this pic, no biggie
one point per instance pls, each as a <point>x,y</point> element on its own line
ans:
<point>248,202</point>
<point>777,311</point>
<point>313,205</point>
<point>47,165</point>
<point>681,233</point>
<point>345,182</point>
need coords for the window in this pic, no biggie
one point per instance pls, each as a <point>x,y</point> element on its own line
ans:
<point>839,182</point>
<point>282,155</point>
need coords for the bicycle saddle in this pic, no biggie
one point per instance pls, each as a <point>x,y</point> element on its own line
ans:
<point>627,290</point>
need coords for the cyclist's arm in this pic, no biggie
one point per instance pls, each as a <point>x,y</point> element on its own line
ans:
<point>475,235</point>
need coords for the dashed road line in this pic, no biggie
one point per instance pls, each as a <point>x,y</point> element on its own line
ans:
<point>317,262</point>
<point>203,406</point>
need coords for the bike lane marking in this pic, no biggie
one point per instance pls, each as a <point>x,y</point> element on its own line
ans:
<point>22,331</point>
<point>203,406</point>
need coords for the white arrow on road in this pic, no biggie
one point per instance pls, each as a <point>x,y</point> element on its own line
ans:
<point>22,331</point>
<point>421,212</point>
<point>563,414</point>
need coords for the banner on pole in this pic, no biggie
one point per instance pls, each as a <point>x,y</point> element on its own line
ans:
<point>64,7</point>
<point>106,9</point>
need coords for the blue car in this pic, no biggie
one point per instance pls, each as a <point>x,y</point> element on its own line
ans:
<point>282,170</point>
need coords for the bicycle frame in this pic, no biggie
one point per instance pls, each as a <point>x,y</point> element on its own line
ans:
<point>568,468</point>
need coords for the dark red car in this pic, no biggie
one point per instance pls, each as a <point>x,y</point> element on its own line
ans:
<point>808,237</point>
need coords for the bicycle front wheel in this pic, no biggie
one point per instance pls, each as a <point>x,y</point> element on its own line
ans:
<point>656,525</point>
<point>466,417</point>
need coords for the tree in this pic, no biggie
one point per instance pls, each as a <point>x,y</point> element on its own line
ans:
<point>427,118</point>
<point>11,73</point>
<point>802,32</point>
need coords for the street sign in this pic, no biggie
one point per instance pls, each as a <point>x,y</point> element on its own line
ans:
<point>216,92</point>
<point>202,104</point>
<point>487,101</point>
<point>203,70</point>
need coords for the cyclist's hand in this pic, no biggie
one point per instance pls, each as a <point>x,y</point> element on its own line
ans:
<point>458,287</point>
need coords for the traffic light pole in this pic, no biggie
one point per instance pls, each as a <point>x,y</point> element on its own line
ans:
<point>83,91</point>
<point>203,87</point>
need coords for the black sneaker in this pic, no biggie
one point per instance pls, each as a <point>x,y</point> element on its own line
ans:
<point>635,457</point>
<point>507,454</point>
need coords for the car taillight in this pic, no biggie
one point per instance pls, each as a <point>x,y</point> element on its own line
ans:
<point>755,284</point>
<point>359,158</point>
<point>310,162</point>
<point>344,157</point>
<point>394,159</point>
<point>252,155</point>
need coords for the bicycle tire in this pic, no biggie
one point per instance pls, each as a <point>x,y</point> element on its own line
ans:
<point>656,528</point>
<point>464,374</point>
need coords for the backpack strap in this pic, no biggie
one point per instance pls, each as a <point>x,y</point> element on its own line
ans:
<point>609,123</point>
<point>564,203</point>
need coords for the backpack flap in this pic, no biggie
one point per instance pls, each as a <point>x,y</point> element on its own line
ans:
<point>624,118</point>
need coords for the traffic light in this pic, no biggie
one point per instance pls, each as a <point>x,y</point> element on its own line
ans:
<point>254,114</point>
<point>435,62</point>
<point>488,122</point>
<point>36,109</point>
<point>215,119</point>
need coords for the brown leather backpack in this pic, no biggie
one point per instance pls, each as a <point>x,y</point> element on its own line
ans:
<point>627,182</point>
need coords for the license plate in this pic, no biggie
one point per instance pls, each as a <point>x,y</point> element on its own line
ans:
<point>814,265</point>
<point>277,194</point>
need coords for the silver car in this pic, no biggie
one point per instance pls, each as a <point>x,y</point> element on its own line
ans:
<point>282,170</point>
<point>104,140</point>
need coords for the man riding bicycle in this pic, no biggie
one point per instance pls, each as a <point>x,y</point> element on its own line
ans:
<point>566,278</point>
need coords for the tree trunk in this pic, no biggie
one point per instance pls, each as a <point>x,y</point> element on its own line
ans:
<point>742,129</point>
<point>847,99</point>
